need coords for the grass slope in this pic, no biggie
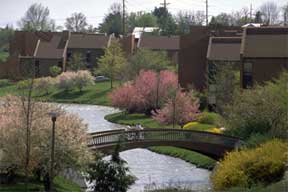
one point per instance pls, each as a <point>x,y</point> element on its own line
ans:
<point>96,94</point>
<point>3,56</point>
<point>61,184</point>
<point>198,159</point>
<point>135,118</point>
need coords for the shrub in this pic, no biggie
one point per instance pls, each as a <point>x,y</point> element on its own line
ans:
<point>209,118</point>
<point>24,84</point>
<point>44,84</point>
<point>83,79</point>
<point>261,110</point>
<point>66,80</point>
<point>248,167</point>
<point>55,71</point>
<point>196,126</point>
<point>5,82</point>
<point>181,109</point>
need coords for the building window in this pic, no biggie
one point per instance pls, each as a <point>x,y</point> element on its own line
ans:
<point>69,55</point>
<point>212,69</point>
<point>247,75</point>
<point>37,68</point>
<point>88,56</point>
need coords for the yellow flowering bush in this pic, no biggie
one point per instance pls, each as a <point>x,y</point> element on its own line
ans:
<point>264,164</point>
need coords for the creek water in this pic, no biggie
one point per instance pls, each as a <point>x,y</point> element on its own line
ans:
<point>151,169</point>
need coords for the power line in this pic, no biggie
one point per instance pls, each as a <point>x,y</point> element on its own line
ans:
<point>207,17</point>
<point>123,17</point>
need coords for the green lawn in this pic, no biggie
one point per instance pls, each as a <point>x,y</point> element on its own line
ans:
<point>3,56</point>
<point>199,160</point>
<point>135,118</point>
<point>61,184</point>
<point>96,94</point>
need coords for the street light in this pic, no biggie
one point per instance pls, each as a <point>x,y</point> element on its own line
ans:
<point>53,116</point>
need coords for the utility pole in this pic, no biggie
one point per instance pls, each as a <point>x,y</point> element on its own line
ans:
<point>207,13</point>
<point>251,12</point>
<point>123,17</point>
<point>165,4</point>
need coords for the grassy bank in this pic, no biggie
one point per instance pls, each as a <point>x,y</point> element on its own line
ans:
<point>135,118</point>
<point>198,159</point>
<point>95,95</point>
<point>3,56</point>
<point>61,184</point>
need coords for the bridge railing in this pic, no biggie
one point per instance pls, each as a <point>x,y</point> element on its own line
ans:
<point>109,137</point>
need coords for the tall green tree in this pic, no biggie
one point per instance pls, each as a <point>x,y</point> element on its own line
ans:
<point>165,21</point>
<point>37,18</point>
<point>141,20</point>
<point>258,17</point>
<point>285,14</point>
<point>145,59</point>
<point>77,62</point>
<point>113,62</point>
<point>112,22</point>
<point>110,176</point>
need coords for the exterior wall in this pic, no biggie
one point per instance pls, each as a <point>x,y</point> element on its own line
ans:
<point>10,68</point>
<point>265,69</point>
<point>173,56</point>
<point>23,43</point>
<point>27,66</point>
<point>192,58</point>
<point>128,45</point>
<point>95,54</point>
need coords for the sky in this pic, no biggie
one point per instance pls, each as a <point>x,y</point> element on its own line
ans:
<point>12,10</point>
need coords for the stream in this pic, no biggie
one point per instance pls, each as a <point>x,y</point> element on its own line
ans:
<point>151,169</point>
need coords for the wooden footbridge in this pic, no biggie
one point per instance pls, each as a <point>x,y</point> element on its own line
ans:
<point>210,144</point>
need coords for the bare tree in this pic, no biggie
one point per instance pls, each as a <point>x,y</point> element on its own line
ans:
<point>285,14</point>
<point>270,12</point>
<point>76,23</point>
<point>186,18</point>
<point>37,18</point>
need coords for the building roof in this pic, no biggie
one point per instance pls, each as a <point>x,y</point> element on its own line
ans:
<point>159,42</point>
<point>265,42</point>
<point>138,31</point>
<point>224,48</point>
<point>50,48</point>
<point>88,41</point>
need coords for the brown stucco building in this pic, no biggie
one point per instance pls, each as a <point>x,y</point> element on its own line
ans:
<point>264,54</point>
<point>169,44</point>
<point>193,54</point>
<point>36,52</point>
<point>221,51</point>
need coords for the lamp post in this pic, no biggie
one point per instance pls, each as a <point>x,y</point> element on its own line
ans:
<point>53,116</point>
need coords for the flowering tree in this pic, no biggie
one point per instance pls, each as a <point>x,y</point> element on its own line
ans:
<point>71,138</point>
<point>83,79</point>
<point>80,79</point>
<point>149,91</point>
<point>66,80</point>
<point>44,84</point>
<point>112,63</point>
<point>180,108</point>
<point>127,98</point>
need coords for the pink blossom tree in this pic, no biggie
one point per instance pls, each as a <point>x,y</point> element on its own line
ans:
<point>127,98</point>
<point>148,92</point>
<point>181,108</point>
